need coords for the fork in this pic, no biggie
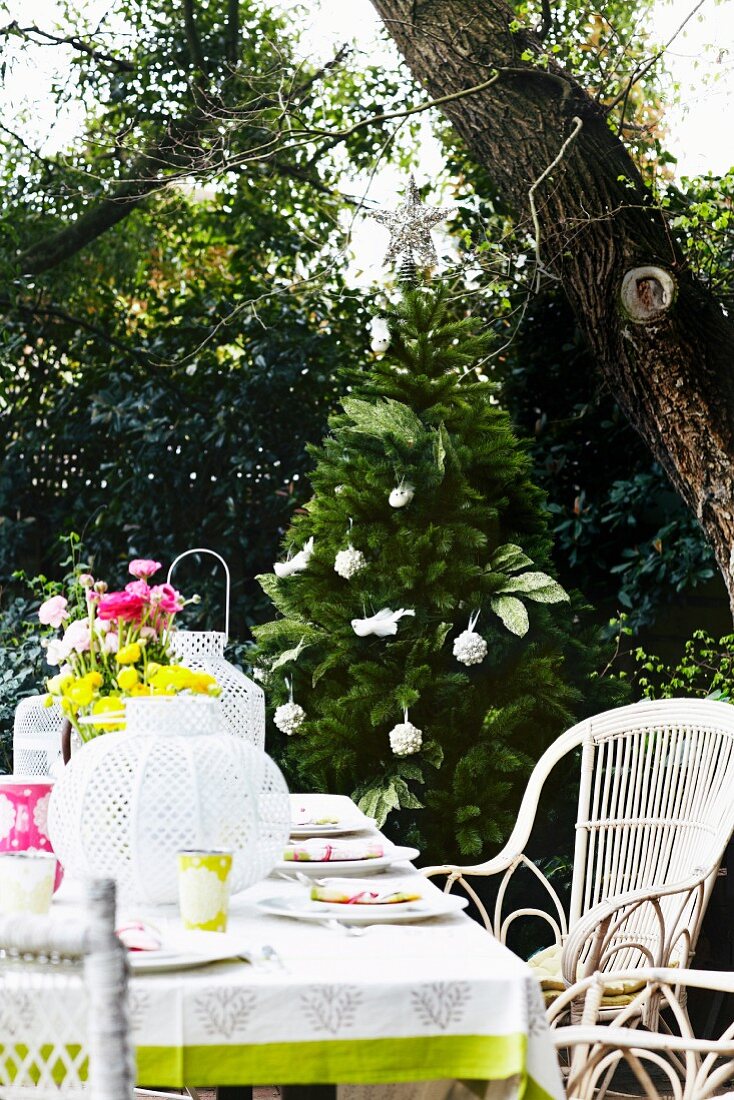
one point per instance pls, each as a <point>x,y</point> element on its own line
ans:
<point>299,877</point>
<point>335,925</point>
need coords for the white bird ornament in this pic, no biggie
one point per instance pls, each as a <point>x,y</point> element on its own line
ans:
<point>381,624</point>
<point>297,563</point>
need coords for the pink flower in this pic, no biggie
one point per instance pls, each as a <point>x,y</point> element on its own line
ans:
<point>86,580</point>
<point>111,642</point>
<point>139,588</point>
<point>166,598</point>
<point>143,567</point>
<point>52,612</point>
<point>148,633</point>
<point>77,636</point>
<point>121,605</point>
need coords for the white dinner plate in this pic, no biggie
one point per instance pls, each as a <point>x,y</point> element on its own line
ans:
<point>303,908</point>
<point>345,867</point>
<point>348,818</point>
<point>154,962</point>
<point>339,828</point>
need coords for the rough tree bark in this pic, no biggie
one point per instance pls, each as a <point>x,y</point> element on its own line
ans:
<point>661,340</point>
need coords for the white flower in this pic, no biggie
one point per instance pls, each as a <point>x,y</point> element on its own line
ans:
<point>57,651</point>
<point>77,636</point>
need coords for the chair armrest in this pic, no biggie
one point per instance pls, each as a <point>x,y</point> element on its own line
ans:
<point>495,866</point>
<point>604,931</point>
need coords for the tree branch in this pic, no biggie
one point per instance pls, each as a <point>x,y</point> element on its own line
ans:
<point>546,21</point>
<point>372,119</point>
<point>233,32</point>
<point>577,124</point>
<point>73,40</point>
<point>642,70</point>
<point>57,314</point>
<point>603,233</point>
<point>192,37</point>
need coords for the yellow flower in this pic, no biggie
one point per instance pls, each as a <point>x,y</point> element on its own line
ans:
<point>127,678</point>
<point>172,678</point>
<point>203,683</point>
<point>58,684</point>
<point>140,689</point>
<point>108,704</point>
<point>129,654</point>
<point>153,667</point>
<point>95,679</point>
<point>80,692</point>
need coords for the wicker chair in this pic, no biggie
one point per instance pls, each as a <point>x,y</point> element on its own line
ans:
<point>671,1062</point>
<point>655,813</point>
<point>63,1006</point>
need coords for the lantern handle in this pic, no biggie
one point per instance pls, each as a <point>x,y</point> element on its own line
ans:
<point>228,583</point>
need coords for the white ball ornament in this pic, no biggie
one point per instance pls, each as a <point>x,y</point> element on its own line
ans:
<point>348,562</point>
<point>405,738</point>
<point>470,648</point>
<point>380,330</point>
<point>401,495</point>
<point>289,717</point>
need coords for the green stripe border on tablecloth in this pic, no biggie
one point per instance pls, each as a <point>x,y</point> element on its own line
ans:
<point>343,1061</point>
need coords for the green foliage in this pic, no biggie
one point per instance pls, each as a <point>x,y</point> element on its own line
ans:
<point>463,544</point>
<point>22,654</point>
<point>619,529</point>
<point>22,667</point>
<point>704,670</point>
<point>158,387</point>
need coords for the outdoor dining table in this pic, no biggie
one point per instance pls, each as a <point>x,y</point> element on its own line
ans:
<point>436,1001</point>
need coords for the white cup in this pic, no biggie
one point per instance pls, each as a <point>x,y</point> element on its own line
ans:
<point>26,882</point>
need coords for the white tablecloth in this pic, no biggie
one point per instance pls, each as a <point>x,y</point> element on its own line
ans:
<point>402,1003</point>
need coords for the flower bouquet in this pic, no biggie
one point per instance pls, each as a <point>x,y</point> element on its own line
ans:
<point>115,645</point>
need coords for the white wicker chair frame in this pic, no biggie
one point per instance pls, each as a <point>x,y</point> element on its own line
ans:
<point>673,1062</point>
<point>655,812</point>
<point>63,1005</point>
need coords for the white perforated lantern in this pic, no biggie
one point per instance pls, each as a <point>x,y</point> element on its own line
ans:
<point>174,779</point>
<point>242,701</point>
<point>36,736</point>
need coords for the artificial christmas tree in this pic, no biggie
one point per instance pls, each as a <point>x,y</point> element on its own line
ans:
<point>418,637</point>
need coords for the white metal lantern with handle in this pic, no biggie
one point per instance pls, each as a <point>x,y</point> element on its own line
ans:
<point>36,736</point>
<point>242,701</point>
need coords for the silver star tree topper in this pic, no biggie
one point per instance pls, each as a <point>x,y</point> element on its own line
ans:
<point>410,228</point>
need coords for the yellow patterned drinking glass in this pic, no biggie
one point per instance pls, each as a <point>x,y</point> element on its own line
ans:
<point>26,881</point>
<point>203,888</point>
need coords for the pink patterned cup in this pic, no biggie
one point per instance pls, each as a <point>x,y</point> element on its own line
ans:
<point>23,816</point>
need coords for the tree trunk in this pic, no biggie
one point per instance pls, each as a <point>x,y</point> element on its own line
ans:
<point>661,340</point>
